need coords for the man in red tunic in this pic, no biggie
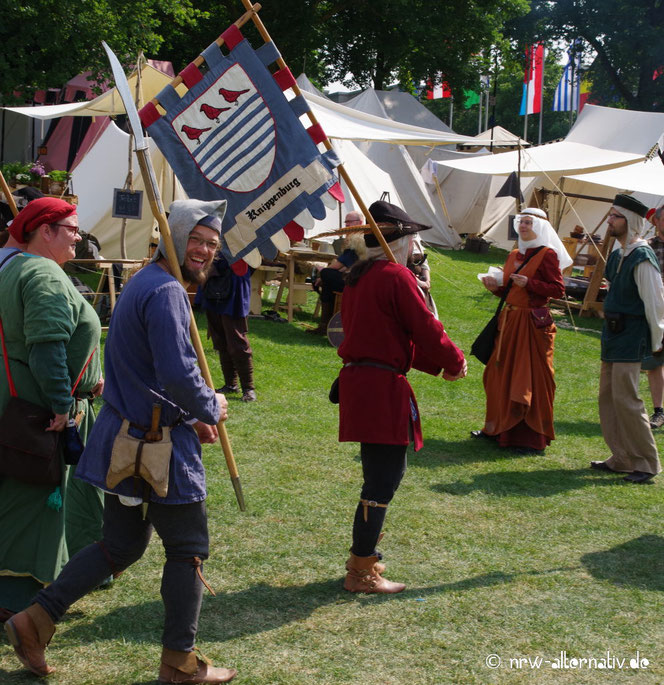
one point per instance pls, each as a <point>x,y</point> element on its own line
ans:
<point>388,330</point>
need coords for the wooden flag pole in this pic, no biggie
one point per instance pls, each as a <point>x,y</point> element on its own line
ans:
<point>8,194</point>
<point>342,171</point>
<point>252,15</point>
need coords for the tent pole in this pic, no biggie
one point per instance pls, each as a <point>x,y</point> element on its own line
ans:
<point>442,201</point>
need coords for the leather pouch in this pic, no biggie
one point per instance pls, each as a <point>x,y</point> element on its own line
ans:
<point>615,321</point>
<point>541,317</point>
<point>132,456</point>
<point>334,391</point>
<point>27,451</point>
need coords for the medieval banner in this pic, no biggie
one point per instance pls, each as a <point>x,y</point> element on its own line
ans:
<point>235,136</point>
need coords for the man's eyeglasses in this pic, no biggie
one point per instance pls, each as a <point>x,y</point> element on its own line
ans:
<point>613,215</point>
<point>212,245</point>
<point>72,229</point>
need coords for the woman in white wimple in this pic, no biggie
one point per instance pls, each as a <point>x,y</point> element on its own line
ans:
<point>519,378</point>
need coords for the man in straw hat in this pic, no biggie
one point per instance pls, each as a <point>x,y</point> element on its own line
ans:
<point>153,385</point>
<point>633,328</point>
<point>388,330</point>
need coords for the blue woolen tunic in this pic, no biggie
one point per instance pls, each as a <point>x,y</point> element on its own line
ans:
<point>149,358</point>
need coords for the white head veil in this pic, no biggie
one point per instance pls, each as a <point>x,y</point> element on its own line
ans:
<point>635,224</point>
<point>544,235</point>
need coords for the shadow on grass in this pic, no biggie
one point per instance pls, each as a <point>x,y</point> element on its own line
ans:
<point>582,428</point>
<point>436,453</point>
<point>285,334</point>
<point>262,608</point>
<point>543,483</point>
<point>637,563</point>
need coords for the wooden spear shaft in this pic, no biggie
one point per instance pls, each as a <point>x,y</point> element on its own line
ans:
<point>174,266</point>
<point>8,194</point>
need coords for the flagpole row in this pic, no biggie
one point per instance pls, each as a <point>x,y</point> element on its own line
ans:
<point>312,118</point>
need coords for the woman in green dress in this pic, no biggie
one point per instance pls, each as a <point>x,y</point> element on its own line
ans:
<point>51,333</point>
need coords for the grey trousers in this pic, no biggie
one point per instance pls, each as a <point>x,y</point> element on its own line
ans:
<point>624,420</point>
<point>183,532</point>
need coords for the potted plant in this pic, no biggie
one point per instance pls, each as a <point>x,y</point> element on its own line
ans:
<point>16,173</point>
<point>58,180</point>
<point>37,172</point>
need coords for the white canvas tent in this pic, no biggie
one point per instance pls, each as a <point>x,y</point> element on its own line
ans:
<point>369,180</point>
<point>105,167</point>
<point>106,104</point>
<point>602,139</point>
<point>339,122</point>
<point>364,121</point>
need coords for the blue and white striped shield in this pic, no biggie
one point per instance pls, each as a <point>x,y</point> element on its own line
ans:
<point>230,132</point>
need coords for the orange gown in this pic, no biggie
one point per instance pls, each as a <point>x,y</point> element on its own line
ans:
<point>519,378</point>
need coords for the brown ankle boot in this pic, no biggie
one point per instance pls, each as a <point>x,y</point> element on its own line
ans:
<point>29,632</point>
<point>191,667</point>
<point>363,576</point>
<point>379,566</point>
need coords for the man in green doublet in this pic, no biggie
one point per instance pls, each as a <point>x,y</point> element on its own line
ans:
<point>633,329</point>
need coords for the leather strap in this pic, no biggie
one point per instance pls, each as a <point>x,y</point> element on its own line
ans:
<point>376,365</point>
<point>366,503</point>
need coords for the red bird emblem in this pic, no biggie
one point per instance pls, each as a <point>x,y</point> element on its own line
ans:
<point>232,95</point>
<point>213,112</point>
<point>194,133</point>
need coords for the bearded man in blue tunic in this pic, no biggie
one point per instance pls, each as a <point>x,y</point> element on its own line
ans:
<point>149,362</point>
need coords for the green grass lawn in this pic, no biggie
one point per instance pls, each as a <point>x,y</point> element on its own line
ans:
<point>525,558</point>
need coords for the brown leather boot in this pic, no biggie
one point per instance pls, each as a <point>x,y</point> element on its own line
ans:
<point>29,632</point>
<point>379,566</point>
<point>191,667</point>
<point>362,576</point>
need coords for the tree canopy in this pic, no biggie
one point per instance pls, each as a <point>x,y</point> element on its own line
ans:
<point>361,43</point>
<point>47,42</point>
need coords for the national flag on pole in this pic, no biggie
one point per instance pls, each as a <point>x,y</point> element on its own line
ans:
<point>442,90</point>
<point>584,92</point>
<point>471,97</point>
<point>566,97</point>
<point>533,80</point>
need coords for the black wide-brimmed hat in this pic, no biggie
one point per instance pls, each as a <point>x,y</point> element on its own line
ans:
<point>393,223</point>
<point>630,203</point>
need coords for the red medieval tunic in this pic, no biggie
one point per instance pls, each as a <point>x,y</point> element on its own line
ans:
<point>386,322</point>
<point>518,380</point>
